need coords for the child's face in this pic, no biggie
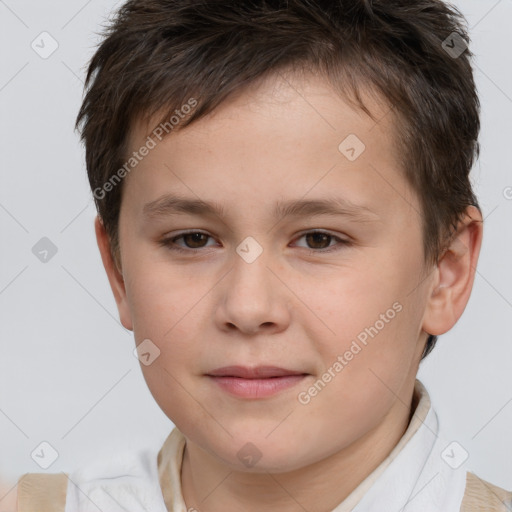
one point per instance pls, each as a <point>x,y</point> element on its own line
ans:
<point>288,307</point>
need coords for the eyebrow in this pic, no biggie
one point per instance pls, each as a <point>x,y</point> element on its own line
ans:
<point>171,204</point>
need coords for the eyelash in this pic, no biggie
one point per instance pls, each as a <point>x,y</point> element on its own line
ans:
<point>169,243</point>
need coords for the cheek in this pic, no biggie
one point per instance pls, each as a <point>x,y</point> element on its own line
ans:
<point>353,301</point>
<point>163,311</point>
<point>372,320</point>
<point>166,308</point>
<point>157,296</point>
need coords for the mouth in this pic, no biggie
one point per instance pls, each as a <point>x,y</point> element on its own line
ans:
<point>256,382</point>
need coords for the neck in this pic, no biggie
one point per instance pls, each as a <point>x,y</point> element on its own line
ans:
<point>208,485</point>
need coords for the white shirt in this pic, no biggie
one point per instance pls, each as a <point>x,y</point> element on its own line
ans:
<point>417,476</point>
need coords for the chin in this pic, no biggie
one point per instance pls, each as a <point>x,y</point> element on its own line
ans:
<point>258,454</point>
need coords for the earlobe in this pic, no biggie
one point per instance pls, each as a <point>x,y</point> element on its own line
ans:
<point>455,275</point>
<point>114,274</point>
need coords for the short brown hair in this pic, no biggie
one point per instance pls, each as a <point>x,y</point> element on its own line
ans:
<point>157,54</point>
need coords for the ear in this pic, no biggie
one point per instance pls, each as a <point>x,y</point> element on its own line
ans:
<point>114,274</point>
<point>455,274</point>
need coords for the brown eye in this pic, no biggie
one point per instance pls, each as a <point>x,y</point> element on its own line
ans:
<point>318,240</point>
<point>321,242</point>
<point>194,240</point>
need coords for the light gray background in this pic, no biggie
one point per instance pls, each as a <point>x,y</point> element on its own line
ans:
<point>67,372</point>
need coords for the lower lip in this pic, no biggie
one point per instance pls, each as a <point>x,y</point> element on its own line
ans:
<point>257,388</point>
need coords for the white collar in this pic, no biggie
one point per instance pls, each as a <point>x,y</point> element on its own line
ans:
<point>414,477</point>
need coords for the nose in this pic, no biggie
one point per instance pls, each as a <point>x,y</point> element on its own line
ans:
<point>252,298</point>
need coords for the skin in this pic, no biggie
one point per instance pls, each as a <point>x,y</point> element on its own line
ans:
<point>292,307</point>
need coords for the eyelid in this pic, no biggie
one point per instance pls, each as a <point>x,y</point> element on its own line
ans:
<point>342,242</point>
<point>169,241</point>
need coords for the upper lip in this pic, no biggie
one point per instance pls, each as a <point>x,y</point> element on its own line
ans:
<point>257,372</point>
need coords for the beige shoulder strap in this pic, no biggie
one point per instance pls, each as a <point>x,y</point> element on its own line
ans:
<point>42,492</point>
<point>481,496</point>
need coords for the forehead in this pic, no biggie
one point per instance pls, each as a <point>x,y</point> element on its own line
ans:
<point>297,95</point>
<point>284,135</point>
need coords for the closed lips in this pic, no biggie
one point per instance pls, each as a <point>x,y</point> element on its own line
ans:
<point>259,372</point>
